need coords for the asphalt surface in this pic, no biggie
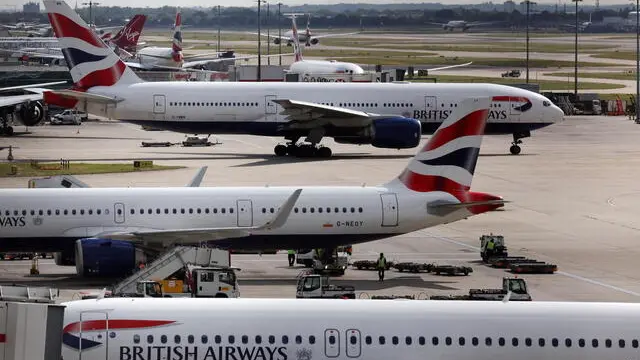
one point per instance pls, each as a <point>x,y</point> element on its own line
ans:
<point>573,192</point>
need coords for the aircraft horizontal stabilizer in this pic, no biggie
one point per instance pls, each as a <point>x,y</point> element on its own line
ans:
<point>26,87</point>
<point>197,179</point>
<point>463,205</point>
<point>195,236</point>
<point>78,95</point>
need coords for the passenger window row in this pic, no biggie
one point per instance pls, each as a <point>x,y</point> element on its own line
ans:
<point>188,103</point>
<point>230,339</point>
<point>501,341</point>
<point>320,210</point>
<point>397,105</point>
<point>166,211</point>
<point>50,212</point>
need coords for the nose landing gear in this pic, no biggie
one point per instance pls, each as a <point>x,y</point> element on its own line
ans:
<point>515,148</point>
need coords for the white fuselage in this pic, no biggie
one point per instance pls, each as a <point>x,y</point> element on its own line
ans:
<point>322,215</point>
<point>247,108</point>
<point>289,329</point>
<point>157,56</point>
<point>324,67</point>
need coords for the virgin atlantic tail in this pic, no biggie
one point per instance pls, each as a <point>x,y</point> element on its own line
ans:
<point>447,162</point>
<point>127,38</point>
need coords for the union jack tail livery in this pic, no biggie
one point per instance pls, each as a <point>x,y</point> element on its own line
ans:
<point>296,41</point>
<point>176,45</point>
<point>91,62</point>
<point>448,160</point>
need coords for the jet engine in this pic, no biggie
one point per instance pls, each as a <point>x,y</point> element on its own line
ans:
<point>276,41</point>
<point>389,133</point>
<point>314,41</point>
<point>96,257</point>
<point>30,113</point>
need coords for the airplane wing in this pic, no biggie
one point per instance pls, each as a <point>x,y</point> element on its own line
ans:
<point>83,96</point>
<point>32,86</point>
<point>307,115</point>
<point>191,236</point>
<point>416,72</point>
<point>435,23</point>
<point>333,35</point>
<point>483,23</point>
<point>34,54</point>
<point>197,179</point>
<point>18,99</point>
<point>264,34</point>
<point>190,64</point>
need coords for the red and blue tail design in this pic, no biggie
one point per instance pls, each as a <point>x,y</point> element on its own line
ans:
<point>91,62</point>
<point>448,160</point>
<point>176,45</point>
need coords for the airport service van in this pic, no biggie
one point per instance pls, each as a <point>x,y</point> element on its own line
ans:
<point>216,282</point>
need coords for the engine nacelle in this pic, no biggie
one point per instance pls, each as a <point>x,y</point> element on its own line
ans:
<point>97,257</point>
<point>65,258</point>
<point>276,41</point>
<point>389,133</point>
<point>314,41</point>
<point>30,113</point>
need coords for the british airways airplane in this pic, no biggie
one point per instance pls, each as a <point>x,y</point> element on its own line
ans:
<point>380,114</point>
<point>327,329</point>
<point>104,231</point>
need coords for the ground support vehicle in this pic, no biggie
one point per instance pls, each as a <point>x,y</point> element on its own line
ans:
<point>517,287</point>
<point>370,265</point>
<point>451,269</point>
<point>413,267</point>
<point>314,286</point>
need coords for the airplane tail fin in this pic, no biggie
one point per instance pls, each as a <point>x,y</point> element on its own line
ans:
<point>90,61</point>
<point>127,38</point>
<point>176,45</point>
<point>307,33</point>
<point>448,160</point>
<point>296,40</point>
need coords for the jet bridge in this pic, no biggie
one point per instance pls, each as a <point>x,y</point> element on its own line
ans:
<point>28,316</point>
<point>171,261</point>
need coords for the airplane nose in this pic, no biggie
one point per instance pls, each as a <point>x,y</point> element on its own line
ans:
<point>557,114</point>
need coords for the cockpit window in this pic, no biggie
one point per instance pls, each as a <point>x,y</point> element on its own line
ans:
<point>546,103</point>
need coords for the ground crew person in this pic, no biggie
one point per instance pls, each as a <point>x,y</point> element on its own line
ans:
<point>292,256</point>
<point>381,265</point>
<point>490,248</point>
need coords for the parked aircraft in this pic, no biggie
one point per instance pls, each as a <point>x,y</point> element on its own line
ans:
<point>381,114</point>
<point>461,24</point>
<point>124,41</point>
<point>31,29</point>
<point>582,26</point>
<point>26,109</point>
<point>251,329</point>
<point>99,228</point>
<point>310,67</point>
<point>307,37</point>
<point>172,58</point>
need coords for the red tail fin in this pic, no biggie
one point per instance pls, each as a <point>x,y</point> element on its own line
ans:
<point>127,38</point>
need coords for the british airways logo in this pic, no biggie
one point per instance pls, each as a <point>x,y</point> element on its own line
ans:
<point>518,105</point>
<point>12,221</point>
<point>89,334</point>
<point>224,352</point>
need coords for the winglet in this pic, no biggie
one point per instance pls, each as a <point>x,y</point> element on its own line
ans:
<point>283,214</point>
<point>197,179</point>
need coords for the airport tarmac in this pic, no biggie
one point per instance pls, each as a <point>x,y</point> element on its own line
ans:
<point>573,192</point>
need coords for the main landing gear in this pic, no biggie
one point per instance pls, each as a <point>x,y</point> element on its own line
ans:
<point>302,150</point>
<point>515,149</point>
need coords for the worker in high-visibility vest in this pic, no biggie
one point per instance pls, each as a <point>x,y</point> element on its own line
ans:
<point>491,246</point>
<point>381,266</point>
<point>292,256</point>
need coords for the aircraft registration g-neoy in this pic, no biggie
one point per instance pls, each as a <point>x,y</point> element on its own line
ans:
<point>308,329</point>
<point>106,231</point>
<point>385,115</point>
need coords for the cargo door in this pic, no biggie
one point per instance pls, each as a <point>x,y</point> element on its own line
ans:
<point>389,209</point>
<point>118,213</point>
<point>516,107</point>
<point>331,343</point>
<point>158,104</point>
<point>354,346</point>
<point>270,108</point>
<point>91,335</point>
<point>245,213</point>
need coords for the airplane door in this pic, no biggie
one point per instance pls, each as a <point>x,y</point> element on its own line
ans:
<point>158,104</point>
<point>389,209</point>
<point>331,343</point>
<point>93,335</point>
<point>352,339</point>
<point>245,213</point>
<point>430,107</point>
<point>430,103</point>
<point>515,109</point>
<point>118,213</point>
<point>270,108</point>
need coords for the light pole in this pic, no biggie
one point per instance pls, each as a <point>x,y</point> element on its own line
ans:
<point>575,69</point>
<point>268,37</point>
<point>219,25</point>
<point>637,60</point>
<point>259,43</point>
<point>279,34</point>
<point>91,3</point>
<point>528,3</point>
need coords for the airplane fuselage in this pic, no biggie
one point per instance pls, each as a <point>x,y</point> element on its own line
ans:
<point>157,56</point>
<point>247,108</point>
<point>52,219</point>
<point>286,329</point>
<point>324,67</point>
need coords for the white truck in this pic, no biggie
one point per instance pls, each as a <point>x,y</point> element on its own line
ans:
<point>335,262</point>
<point>314,286</point>
<point>68,117</point>
<point>218,282</point>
